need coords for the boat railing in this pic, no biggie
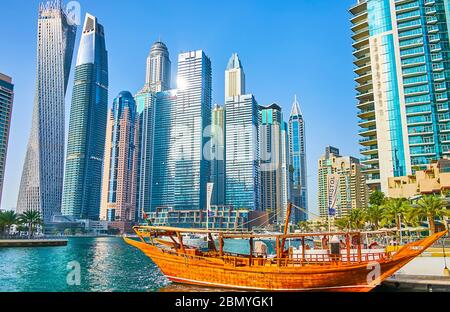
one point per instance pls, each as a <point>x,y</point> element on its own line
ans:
<point>288,261</point>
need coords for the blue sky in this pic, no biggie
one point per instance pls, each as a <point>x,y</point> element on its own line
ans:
<point>287,47</point>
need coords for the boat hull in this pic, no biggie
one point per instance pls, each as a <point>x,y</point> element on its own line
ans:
<point>213,272</point>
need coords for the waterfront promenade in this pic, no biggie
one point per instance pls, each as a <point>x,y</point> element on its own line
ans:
<point>32,242</point>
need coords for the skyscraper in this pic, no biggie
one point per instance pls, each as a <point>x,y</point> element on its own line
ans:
<point>285,179</point>
<point>121,160</point>
<point>42,176</point>
<point>145,103</point>
<point>401,56</point>
<point>192,115</point>
<point>158,68</point>
<point>234,77</point>
<point>85,151</point>
<point>298,170</point>
<point>342,185</point>
<point>162,186</point>
<point>218,155</point>
<point>6,106</point>
<point>155,105</point>
<point>242,188</point>
<point>270,141</point>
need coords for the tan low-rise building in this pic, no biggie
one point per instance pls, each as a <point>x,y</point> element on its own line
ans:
<point>434,180</point>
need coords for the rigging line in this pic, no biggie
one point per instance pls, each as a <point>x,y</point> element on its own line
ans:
<point>305,211</point>
<point>262,216</point>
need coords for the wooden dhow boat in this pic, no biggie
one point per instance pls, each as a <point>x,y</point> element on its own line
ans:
<point>345,266</point>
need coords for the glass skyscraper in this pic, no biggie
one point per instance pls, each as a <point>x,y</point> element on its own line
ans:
<point>189,155</point>
<point>42,176</point>
<point>218,134</point>
<point>297,166</point>
<point>6,106</point>
<point>85,151</point>
<point>162,187</point>
<point>120,164</point>
<point>401,56</point>
<point>145,102</point>
<point>155,104</point>
<point>270,145</point>
<point>158,68</point>
<point>242,186</point>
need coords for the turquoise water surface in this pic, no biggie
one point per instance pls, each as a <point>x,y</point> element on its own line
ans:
<point>106,264</point>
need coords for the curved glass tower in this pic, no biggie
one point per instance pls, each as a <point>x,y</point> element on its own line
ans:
<point>85,150</point>
<point>42,177</point>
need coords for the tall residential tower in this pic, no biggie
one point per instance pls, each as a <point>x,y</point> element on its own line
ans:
<point>120,164</point>
<point>242,186</point>
<point>6,106</point>
<point>297,166</point>
<point>158,68</point>
<point>85,150</point>
<point>42,176</point>
<point>191,116</point>
<point>402,66</point>
<point>342,185</point>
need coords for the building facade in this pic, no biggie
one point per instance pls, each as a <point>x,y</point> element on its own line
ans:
<point>285,165</point>
<point>145,106</point>
<point>6,106</point>
<point>163,169</point>
<point>234,77</point>
<point>158,75</point>
<point>155,105</point>
<point>401,57</point>
<point>297,166</point>
<point>87,127</point>
<point>191,117</point>
<point>242,183</point>
<point>434,180</point>
<point>271,168</point>
<point>43,171</point>
<point>121,159</point>
<point>342,185</point>
<point>218,133</point>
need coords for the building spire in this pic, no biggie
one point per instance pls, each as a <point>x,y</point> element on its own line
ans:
<point>296,111</point>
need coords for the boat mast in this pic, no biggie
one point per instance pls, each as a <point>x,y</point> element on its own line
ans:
<point>286,227</point>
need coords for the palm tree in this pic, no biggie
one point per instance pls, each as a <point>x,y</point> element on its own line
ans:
<point>304,226</point>
<point>32,218</point>
<point>8,218</point>
<point>377,198</point>
<point>412,216</point>
<point>357,218</point>
<point>430,207</point>
<point>374,214</point>
<point>394,210</point>
<point>342,223</point>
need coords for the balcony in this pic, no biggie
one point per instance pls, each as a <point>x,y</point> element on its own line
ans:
<point>371,131</point>
<point>361,34</point>
<point>366,95</point>
<point>368,141</point>
<point>370,160</point>
<point>367,123</point>
<point>365,87</point>
<point>366,113</point>
<point>371,150</point>
<point>442,107</point>
<point>424,131</point>
<point>365,104</point>
<point>371,170</point>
